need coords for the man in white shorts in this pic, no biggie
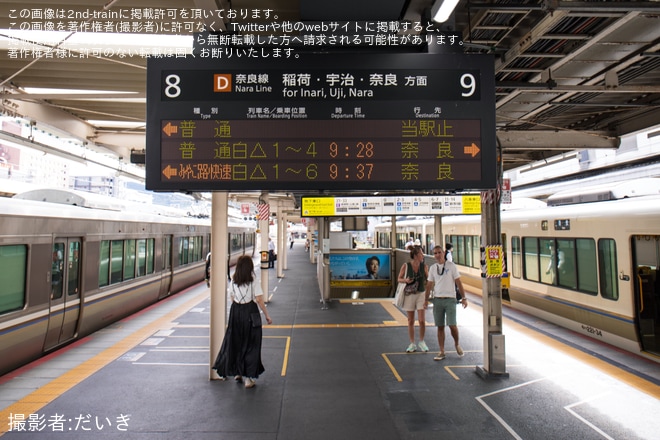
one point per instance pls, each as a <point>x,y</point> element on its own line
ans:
<point>441,291</point>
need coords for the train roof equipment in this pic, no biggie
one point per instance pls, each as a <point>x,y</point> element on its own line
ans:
<point>96,201</point>
<point>74,198</point>
<point>609,191</point>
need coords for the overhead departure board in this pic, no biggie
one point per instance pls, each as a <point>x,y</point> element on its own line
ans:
<point>321,122</point>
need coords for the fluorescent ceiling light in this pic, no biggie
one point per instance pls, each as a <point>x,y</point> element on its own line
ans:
<point>45,90</point>
<point>83,95</point>
<point>442,10</point>
<point>118,124</point>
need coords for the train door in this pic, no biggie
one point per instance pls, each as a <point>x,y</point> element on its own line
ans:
<point>646,260</point>
<point>64,291</point>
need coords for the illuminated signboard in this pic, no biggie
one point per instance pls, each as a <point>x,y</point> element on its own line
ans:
<point>318,122</point>
<point>313,206</point>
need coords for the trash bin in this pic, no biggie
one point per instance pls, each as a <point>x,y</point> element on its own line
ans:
<point>264,259</point>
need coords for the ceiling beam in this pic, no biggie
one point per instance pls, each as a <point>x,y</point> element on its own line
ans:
<point>554,140</point>
<point>553,87</point>
<point>75,96</point>
<point>573,6</point>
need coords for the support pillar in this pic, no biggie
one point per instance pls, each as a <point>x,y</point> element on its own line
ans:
<point>494,353</point>
<point>438,238</point>
<point>219,268</point>
<point>281,241</point>
<point>286,246</point>
<point>264,225</point>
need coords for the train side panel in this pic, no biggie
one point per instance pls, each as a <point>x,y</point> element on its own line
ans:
<point>32,322</point>
<point>24,292</point>
<point>611,293</point>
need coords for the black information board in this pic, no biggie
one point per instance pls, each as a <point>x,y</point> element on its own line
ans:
<point>321,122</point>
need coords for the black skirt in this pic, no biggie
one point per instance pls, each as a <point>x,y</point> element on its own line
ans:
<point>240,353</point>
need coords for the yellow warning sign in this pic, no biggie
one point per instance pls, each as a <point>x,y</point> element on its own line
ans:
<point>494,261</point>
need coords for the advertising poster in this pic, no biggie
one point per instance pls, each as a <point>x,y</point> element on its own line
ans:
<point>360,269</point>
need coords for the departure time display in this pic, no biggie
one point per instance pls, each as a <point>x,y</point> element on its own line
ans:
<point>315,126</point>
<point>311,152</point>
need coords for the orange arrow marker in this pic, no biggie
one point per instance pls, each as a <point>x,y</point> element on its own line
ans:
<point>169,129</point>
<point>472,150</point>
<point>169,172</point>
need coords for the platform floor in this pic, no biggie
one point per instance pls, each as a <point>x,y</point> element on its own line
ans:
<point>335,373</point>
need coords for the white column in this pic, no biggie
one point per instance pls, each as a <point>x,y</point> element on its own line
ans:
<point>287,244</point>
<point>281,241</point>
<point>264,227</point>
<point>219,258</point>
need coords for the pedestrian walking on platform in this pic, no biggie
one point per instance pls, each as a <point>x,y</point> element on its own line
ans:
<point>414,274</point>
<point>272,256</point>
<point>240,354</point>
<point>441,291</point>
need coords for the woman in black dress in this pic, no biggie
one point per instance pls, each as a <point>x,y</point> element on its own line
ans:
<point>240,354</point>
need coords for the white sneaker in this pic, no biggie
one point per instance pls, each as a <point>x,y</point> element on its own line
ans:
<point>422,346</point>
<point>459,351</point>
<point>411,348</point>
<point>249,382</point>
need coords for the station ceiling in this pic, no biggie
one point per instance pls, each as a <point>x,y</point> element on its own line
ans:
<point>569,74</point>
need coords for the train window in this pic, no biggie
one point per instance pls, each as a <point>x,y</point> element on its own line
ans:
<point>199,248</point>
<point>73,273</point>
<point>505,267</point>
<point>533,259</point>
<point>57,274</point>
<point>195,249</point>
<point>104,264</point>
<point>586,266</point>
<point>401,240</point>
<point>429,243</point>
<point>141,257</point>
<point>465,256</point>
<point>460,250</point>
<point>475,254</point>
<point>549,260</point>
<point>384,240</point>
<point>183,251</point>
<point>150,255</point>
<point>234,243</point>
<point>116,261</point>
<point>467,250</point>
<point>516,257</point>
<point>565,262</point>
<point>608,269</point>
<point>129,259</point>
<point>167,253</point>
<point>13,260</point>
<point>190,249</point>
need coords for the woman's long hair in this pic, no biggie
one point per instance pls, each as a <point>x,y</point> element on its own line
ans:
<point>244,272</point>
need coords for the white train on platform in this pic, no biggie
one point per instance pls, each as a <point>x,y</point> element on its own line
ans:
<point>590,266</point>
<point>67,271</point>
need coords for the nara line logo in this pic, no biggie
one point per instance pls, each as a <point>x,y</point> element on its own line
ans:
<point>222,82</point>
